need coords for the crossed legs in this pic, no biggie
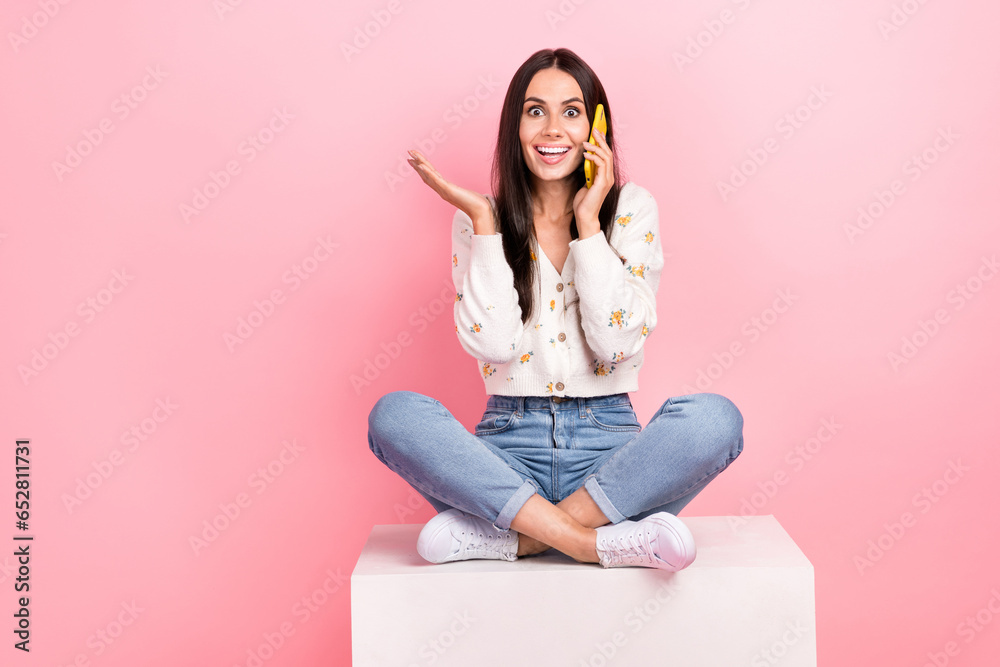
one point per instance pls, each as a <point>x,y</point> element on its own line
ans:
<point>690,440</point>
<point>568,526</point>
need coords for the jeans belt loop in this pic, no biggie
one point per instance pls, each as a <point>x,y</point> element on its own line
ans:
<point>520,406</point>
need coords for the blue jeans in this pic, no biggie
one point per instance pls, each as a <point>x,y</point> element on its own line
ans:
<point>540,444</point>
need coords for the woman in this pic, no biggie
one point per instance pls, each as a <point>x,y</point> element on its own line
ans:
<point>556,294</point>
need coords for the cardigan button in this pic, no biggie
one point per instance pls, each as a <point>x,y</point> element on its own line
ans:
<point>559,287</point>
<point>560,386</point>
<point>562,337</point>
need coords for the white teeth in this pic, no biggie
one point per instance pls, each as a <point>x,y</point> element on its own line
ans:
<point>546,149</point>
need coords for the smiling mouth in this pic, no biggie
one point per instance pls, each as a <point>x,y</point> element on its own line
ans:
<point>552,156</point>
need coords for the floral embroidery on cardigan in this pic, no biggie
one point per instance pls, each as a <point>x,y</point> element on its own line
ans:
<point>601,369</point>
<point>618,317</point>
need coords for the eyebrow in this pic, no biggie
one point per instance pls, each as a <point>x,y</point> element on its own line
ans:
<point>565,102</point>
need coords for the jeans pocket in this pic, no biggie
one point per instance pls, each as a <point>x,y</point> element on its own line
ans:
<point>615,418</point>
<point>496,420</point>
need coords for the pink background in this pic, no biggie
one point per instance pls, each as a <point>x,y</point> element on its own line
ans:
<point>317,194</point>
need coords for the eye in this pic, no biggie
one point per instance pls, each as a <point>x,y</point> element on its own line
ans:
<point>575,111</point>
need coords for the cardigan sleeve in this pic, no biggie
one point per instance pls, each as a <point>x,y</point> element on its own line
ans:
<point>618,298</point>
<point>487,313</point>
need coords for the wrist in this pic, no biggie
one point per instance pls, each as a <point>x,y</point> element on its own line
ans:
<point>588,229</point>
<point>482,219</point>
<point>483,226</point>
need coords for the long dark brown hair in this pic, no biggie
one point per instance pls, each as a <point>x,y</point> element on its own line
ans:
<point>511,178</point>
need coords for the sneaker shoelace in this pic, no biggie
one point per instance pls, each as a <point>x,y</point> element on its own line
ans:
<point>629,549</point>
<point>483,544</point>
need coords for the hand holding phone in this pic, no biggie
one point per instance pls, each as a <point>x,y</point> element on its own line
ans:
<point>600,125</point>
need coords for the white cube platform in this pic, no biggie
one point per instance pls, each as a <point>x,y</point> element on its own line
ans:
<point>748,599</point>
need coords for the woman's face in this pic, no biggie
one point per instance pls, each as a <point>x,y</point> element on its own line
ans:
<point>553,117</point>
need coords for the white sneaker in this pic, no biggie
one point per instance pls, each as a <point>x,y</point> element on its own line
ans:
<point>660,540</point>
<point>455,535</point>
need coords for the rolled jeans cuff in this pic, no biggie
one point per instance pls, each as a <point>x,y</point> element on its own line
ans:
<point>601,500</point>
<point>514,505</point>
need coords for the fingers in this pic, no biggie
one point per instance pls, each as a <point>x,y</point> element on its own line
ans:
<point>426,170</point>
<point>431,176</point>
<point>602,143</point>
<point>598,158</point>
<point>601,148</point>
<point>418,161</point>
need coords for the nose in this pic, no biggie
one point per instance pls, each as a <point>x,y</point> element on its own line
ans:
<point>553,128</point>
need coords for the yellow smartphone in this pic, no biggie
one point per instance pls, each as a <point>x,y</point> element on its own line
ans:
<point>600,124</point>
